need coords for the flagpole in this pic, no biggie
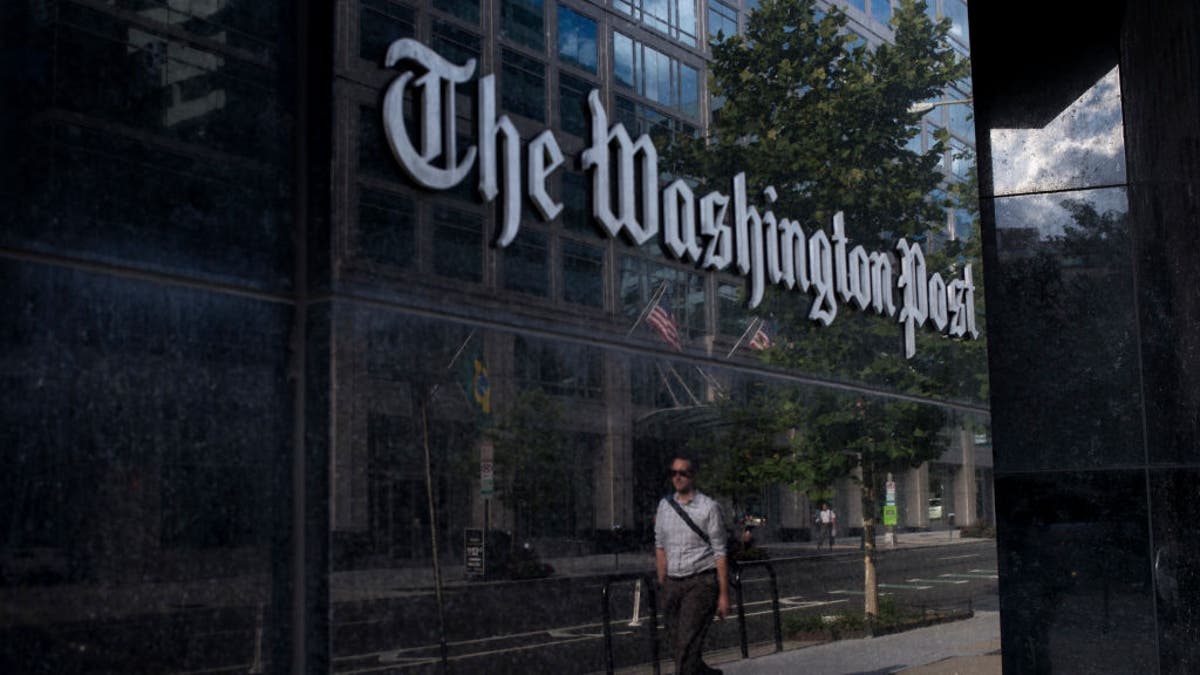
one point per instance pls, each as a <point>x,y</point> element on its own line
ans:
<point>461,347</point>
<point>667,382</point>
<point>686,389</point>
<point>654,298</point>
<point>753,324</point>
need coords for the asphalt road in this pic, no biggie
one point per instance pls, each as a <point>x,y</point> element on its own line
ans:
<point>554,625</point>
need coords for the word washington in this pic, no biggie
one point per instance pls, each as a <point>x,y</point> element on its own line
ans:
<point>762,247</point>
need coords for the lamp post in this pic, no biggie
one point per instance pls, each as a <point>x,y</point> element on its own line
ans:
<point>925,106</point>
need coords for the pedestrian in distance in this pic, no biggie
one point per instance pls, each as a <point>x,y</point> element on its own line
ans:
<point>692,565</point>
<point>827,521</point>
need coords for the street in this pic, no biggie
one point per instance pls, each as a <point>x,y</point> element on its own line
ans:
<point>554,625</point>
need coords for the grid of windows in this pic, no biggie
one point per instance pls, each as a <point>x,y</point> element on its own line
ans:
<point>655,75</point>
<point>641,119</point>
<point>683,296</point>
<point>557,368</point>
<point>577,39</point>
<point>675,18</point>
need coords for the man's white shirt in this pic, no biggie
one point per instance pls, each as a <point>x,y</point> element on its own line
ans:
<point>687,554</point>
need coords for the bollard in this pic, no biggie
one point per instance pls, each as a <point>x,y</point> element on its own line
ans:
<point>637,604</point>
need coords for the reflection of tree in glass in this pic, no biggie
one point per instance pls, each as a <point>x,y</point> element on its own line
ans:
<point>532,465</point>
<point>1066,298</point>
<point>813,112</point>
<point>781,436</point>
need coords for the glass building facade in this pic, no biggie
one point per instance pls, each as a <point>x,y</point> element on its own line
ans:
<point>262,385</point>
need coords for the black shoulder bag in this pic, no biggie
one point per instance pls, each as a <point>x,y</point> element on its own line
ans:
<point>690,523</point>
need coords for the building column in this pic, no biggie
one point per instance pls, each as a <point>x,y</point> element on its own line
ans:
<point>965,487</point>
<point>916,497</point>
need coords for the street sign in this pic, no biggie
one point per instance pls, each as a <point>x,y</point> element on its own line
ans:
<point>487,469</point>
<point>475,552</point>
<point>889,515</point>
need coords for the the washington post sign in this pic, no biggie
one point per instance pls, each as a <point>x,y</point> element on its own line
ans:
<point>715,232</point>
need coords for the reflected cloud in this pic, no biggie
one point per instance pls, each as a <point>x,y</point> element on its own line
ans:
<point>1084,146</point>
<point>1044,216</point>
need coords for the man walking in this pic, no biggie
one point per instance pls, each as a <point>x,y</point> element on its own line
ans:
<point>827,518</point>
<point>693,572</point>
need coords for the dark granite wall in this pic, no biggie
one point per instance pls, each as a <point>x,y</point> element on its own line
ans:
<point>1089,131</point>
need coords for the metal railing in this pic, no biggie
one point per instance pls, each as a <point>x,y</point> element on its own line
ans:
<point>647,579</point>
<point>741,605</point>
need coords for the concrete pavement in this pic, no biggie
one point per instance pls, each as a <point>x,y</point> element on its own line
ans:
<point>967,647</point>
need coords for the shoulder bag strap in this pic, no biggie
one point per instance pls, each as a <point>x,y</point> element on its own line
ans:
<point>682,514</point>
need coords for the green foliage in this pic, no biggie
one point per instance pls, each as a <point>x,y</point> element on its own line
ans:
<point>528,438</point>
<point>828,125</point>
<point>823,123</point>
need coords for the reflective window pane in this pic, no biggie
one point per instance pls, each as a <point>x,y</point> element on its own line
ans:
<point>527,265</point>
<point>576,39</point>
<point>521,22</point>
<point>524,86</point>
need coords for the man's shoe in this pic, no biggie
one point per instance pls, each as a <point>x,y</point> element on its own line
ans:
<point>709,670</point>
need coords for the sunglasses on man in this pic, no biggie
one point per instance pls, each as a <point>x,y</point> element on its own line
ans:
<point>685,474</point>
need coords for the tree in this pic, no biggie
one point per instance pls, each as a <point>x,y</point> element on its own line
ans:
<point>803,106</point>
<point>529,443</point>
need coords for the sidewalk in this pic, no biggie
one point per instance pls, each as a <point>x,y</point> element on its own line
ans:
<point>967,647</point>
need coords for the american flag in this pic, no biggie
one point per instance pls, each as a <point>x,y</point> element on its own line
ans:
<point>662,322</point>
<point>761,340</point>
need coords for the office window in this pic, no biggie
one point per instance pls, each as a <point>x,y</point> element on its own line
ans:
<point>556,368</point>
<point>881,10</point>
<point>732,317</point>
<point>860,5</point>
<point>722,21</point>
<point>962,123</point>
<point>521,22</point>
<point>583,274</point>
<point>683,296</point>
<point>575,215</point>
<point>454,43</point>
<point>960,165</point>
<point>523,85</point>
<point>526,264</point>
<point>913,144</point>
<point>572,104</point>
<point>641,119</point>
<point>457,244</point>
<point>577,39</point>
<point>386,228</point>
<point>675,18</point>
<point>379,24</point>
<point>931,9</point>
<point>655,75</point>
<point>957,11</point>
<point>467,10</point>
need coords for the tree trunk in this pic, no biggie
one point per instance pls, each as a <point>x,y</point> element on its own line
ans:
<point>870,579</point>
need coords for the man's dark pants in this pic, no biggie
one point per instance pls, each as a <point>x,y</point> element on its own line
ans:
<point>688,607</point>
